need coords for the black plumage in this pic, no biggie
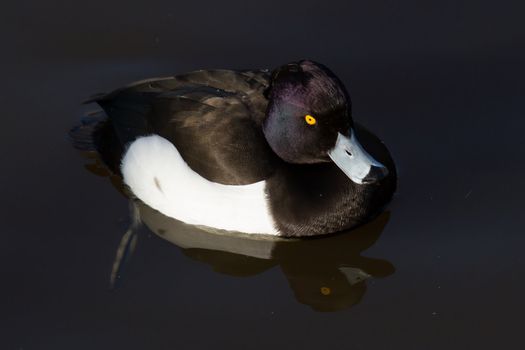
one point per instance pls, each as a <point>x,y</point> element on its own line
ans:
<point>212,117</point>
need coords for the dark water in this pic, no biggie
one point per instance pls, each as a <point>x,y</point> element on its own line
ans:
<point>441,82</point>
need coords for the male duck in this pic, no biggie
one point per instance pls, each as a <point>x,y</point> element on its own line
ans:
<point>245,150</point>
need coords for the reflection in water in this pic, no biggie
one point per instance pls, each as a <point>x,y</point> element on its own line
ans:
<point>326,273</point>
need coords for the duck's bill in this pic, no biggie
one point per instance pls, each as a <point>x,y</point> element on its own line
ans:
<point>355,162</point>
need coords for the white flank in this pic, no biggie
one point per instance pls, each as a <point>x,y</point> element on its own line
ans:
<point>156,173</point>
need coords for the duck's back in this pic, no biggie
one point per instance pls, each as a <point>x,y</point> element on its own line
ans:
<point>213,118</point>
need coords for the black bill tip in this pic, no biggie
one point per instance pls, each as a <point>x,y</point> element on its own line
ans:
<point>375,174</point>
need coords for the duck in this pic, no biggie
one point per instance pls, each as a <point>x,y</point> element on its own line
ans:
<point>258,151</point>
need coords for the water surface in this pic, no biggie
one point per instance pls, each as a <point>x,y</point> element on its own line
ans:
<point>440,82</point>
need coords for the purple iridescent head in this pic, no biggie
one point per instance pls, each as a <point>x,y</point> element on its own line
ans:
<point>309,120</point>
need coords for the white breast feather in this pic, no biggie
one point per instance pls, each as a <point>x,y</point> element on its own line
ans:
<point>156,173</point>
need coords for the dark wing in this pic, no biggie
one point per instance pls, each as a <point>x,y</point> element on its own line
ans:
<point>212,117</point>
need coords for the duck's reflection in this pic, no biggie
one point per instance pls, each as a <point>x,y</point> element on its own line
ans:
<point>326,273</point>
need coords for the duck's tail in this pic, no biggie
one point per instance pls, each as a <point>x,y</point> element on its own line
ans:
<point>84,136</point>
<point>95,134</point>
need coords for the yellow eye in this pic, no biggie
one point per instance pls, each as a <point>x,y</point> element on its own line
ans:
<point>326,291</point>
<point>310,120</point>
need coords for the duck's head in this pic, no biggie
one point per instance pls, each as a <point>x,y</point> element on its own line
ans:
<point>309,121</point>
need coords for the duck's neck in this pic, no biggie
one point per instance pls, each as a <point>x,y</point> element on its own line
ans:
<point>315,199</point>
